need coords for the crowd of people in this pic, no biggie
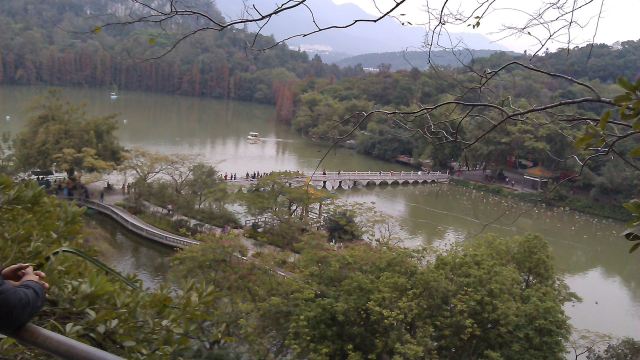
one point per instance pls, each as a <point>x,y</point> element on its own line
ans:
<point>248,176</point>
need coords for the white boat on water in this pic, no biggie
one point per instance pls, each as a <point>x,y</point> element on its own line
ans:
<point>113,95</point>
<point>253,137</point>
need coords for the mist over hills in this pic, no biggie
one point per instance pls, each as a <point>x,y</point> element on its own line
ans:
<point>388,35</point>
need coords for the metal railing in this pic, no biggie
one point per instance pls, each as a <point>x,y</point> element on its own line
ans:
<point>59,345</point>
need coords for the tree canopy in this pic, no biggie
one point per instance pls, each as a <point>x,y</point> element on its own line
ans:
<point>61,134</point>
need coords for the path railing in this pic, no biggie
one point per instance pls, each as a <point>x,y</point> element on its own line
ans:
<point>143,229</point>
<point>262,220</point>
<point>60,346</point>
<point>138,226</point>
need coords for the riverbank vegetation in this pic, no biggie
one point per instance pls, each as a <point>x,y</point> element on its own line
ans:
<point>559,198</point>
<point>370,113</point>
<point>441,304</point>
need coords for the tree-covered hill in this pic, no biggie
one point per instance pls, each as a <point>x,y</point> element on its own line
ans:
<point>405,60</point>
<point>325,111</point>
<point>52,43</point>
<point>598,62</point>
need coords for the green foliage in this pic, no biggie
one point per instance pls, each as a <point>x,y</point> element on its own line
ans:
<point>492,298</point>
<point>489,299</point>
<point>193,189</point>
<point>287,204</point>
<point>625,349</point>
<point>633,232</point>
<point>343,227</point>
<point>176,226</point>
<point>285,234</point>
<point>60,133</point>
<point>281,196</point>
<point>102,311</point>
<point>627,112</point>
<point>207,187</point>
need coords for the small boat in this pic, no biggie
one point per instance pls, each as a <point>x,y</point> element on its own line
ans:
<point>113,95</point>
<point>253,137</point>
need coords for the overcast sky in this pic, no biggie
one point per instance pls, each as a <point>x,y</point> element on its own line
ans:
<point>620,19</point>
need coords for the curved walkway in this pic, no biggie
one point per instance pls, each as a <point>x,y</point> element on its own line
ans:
<point>145,230</point>
<point>138,226</point>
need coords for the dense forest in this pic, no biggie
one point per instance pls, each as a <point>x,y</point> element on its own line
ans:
<point>59,43</point>
<point>323,112</point>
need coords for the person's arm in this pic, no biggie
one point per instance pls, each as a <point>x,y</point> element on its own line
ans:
<point>19,302</point>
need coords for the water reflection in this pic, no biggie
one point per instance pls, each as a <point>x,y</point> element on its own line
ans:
<point>214,129</point>
<point>131,254</point>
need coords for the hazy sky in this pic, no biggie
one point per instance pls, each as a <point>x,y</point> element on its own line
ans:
<point>620,19</point>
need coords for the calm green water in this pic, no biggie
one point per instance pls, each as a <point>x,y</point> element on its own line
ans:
<point>589,252</point>
<point>131,254</point>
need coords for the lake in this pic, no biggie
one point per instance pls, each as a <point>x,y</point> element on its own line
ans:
<point>589,252</point>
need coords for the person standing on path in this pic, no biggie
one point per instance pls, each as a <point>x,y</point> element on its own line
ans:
<point>102,196</point>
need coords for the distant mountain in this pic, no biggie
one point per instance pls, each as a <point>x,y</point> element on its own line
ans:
<point>405,60</point>
<point>384,36</point>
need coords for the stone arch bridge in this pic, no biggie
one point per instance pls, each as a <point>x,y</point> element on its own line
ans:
<point>349,179</point>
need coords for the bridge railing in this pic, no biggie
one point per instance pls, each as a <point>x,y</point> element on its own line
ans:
<point>262,220</point>
<point>132,223</point>
<point>381,175</point>
<point>59,345</point>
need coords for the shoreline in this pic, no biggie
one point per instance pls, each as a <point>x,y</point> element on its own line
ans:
<point>584,206</point>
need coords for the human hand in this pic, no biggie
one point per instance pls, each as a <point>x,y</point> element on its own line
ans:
<point>37,276</point>
<point>14,272</point>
